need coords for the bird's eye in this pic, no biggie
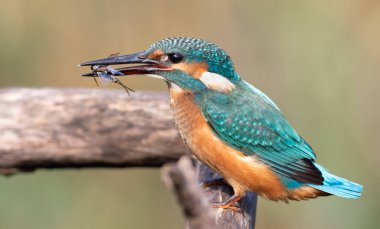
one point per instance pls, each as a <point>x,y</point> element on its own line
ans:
<point>175,58</point>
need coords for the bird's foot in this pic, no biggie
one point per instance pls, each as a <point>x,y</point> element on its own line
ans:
<point>230,207</point>
<point>228,204</point>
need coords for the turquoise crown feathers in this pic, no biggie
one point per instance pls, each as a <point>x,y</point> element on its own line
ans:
<point>198,50</point>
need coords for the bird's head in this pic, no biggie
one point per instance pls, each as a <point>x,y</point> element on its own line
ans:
<point>190,63</point>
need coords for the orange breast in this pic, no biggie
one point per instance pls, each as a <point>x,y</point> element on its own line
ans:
<point>242,172</point>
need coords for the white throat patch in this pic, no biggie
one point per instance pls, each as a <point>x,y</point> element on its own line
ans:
<point>216,82</point>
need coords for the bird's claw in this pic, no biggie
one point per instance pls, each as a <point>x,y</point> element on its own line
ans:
<point>229,207</point>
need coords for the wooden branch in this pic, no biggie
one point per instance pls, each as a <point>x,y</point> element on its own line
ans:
<point>75,128</point>
<point>182,179</point>
<point>227,219</point>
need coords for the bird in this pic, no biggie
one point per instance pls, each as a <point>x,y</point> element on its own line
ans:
<point>231,126</point>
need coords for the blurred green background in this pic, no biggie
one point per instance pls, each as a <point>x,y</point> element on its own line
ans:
<point>319,60</point>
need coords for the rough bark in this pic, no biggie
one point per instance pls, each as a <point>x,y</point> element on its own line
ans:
<point>227,219</point>
<point>78,128</point>
<point>181,178</point>
<point>75,128</point>
<point>184,179</point>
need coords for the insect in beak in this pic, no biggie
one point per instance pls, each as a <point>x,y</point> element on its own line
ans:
<point>100,68</point>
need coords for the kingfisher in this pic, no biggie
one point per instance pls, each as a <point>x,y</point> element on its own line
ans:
<point>231,126</point>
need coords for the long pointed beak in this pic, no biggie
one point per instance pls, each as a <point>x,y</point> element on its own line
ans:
<point>148,66</point>
<point>135,58</point>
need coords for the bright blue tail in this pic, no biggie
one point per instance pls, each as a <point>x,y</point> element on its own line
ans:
<point>338,186</point>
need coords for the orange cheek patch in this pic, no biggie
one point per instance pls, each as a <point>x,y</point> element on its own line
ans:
<point>193,69</point>
<point>156,54</point>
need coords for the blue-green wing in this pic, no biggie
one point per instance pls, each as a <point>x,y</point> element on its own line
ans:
<point>248,120</point>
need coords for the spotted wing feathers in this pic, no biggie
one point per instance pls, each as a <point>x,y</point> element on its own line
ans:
<point>246,120</point>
